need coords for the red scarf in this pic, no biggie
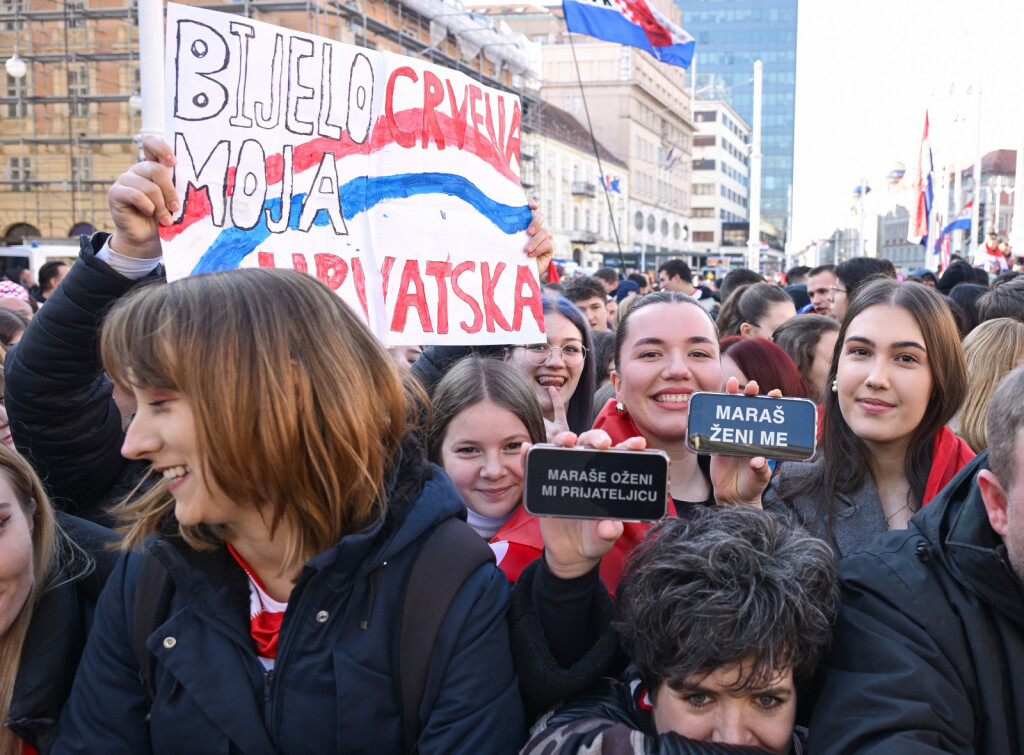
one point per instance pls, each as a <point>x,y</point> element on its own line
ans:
<point>517,543</point>
<point>949,455</point>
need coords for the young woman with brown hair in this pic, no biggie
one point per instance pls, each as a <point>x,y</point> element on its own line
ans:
<point>897,377</point>
<point>290,505</point>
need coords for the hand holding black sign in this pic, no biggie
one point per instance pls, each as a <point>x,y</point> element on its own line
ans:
<point>736,480</point>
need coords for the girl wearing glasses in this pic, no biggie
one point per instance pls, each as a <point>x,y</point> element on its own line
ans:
<point>561,375</point>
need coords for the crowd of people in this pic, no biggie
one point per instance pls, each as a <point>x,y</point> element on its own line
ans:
<point>232,521</point>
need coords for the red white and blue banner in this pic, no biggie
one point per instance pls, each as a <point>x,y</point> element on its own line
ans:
<point>921,219</point>
<point>633,23</point>
<point>962,221</point>
<point>393,181</point>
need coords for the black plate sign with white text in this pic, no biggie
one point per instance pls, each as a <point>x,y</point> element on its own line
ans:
<point>588,484</point>
<point>738,425</point>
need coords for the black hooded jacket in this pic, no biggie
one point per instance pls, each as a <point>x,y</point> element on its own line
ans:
<point>929,642</point>
<point>57,633</point>
<point>63,417</point>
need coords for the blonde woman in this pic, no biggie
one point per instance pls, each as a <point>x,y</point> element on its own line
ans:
<point>992,349</point>
<point>48,587</point>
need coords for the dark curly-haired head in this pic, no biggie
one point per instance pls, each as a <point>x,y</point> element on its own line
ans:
<point>727,586</point>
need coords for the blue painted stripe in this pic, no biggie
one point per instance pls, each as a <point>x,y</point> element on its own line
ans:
<point>359,195</point>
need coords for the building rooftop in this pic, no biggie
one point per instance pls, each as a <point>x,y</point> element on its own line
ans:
<point>560,125</point>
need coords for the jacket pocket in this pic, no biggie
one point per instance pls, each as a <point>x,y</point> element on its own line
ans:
<point>368,715</point>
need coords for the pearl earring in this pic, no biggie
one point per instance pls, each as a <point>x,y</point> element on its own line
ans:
<point>835,386</point>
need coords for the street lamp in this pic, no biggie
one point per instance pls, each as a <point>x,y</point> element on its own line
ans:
<point>16,67</point>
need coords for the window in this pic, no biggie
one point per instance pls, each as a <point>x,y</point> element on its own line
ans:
<point>74,10</point>
<point>78,86</point>
<point>703,164</point>
<point>575,218</point>
<point>664,228</point>
<point>15,109</point>
<point>704,141</point>
<point>638,220</point>
<point>81,168</point>
<point>19,169</point>
<point>13,7</point>
<point>704,236</point>
<point>703,189</point>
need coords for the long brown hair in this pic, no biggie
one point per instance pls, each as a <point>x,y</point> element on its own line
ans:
<point>299,410</point>
<point>846,456</point>
<point>46,552</point>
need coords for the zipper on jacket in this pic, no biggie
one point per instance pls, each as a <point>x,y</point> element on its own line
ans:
<point>268,686</point>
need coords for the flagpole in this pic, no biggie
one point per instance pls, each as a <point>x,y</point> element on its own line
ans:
<point>976,179</point>
<point>754,213</point>
<point>600,168</point>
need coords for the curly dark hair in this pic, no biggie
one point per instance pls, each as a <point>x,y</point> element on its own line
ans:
<point>724,587</point>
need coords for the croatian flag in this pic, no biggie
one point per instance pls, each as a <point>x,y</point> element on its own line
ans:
<point>633,23</point>
<point>962,221</point>
<point>923,212</point>
<point>610,184</point>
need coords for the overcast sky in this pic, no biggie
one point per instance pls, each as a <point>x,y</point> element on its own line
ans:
<point>866,72</point>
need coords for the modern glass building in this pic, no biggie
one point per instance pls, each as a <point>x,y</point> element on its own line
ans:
<point>731,35</point>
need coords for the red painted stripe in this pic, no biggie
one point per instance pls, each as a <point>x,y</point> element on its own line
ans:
<point>308,154</point>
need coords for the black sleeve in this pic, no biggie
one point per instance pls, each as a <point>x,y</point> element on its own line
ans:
<point>543,681</point>
<point>63,417</point>
<point>562,607</point>
<point>888,684</point>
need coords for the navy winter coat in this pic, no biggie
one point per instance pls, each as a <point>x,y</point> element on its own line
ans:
<point>332,689</point>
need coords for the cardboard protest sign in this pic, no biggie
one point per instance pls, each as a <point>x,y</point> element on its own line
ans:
<point>394,181</point>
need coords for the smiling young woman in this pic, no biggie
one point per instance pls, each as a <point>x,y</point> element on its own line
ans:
<point>483,414</point>
<point>291,501</point>
<point>561,369</point>
<point>897,377</point>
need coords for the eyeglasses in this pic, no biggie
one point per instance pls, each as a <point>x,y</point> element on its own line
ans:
<point>833,290</point>
<point>540,353</point>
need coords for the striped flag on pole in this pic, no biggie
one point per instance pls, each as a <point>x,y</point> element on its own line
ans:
<point>633,23</point>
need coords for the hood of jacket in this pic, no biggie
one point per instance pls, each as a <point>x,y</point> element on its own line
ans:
<point>957,528</point>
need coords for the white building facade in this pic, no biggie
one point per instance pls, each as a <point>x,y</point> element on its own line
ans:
<point>721,182</point>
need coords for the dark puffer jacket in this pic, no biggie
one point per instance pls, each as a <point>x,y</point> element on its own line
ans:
<point>63,417</point>
<point>929,643</point>
<point>57,633</point>
<point>332,689</point>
